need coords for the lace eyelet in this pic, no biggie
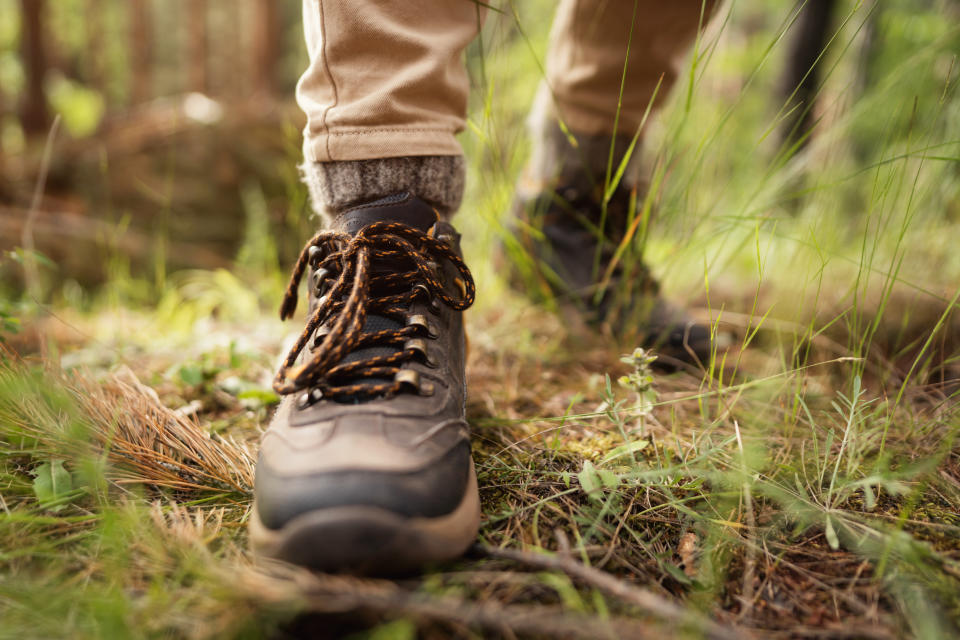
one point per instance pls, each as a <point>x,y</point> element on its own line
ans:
<point>411,378</point>
<point>309,398</point>
<point>408,377</point>
<point>320,335</point>
<point>419,346</point>
<point>432,302</point>
<point>317,279</point>
<point>422,287</point>
<point>420,321</point>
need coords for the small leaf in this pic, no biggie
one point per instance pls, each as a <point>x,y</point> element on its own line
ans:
<point>565,476</point>
<point>589,479</point>
<point>625,449</point>
<point>395,630</point>
<point>608,479</point>
<point>799,485</point>
<point>235,359</point>
<point>261,397</point>
<point>51,484</point>
<point>832,538</point>
<point>191,374</point>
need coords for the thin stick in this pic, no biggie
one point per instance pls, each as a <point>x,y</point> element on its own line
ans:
<point>322,594</point>
<point>642,598</point>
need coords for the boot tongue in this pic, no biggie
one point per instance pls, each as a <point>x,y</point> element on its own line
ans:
<point>399,207</point>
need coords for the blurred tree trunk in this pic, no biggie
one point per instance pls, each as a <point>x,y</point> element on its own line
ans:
<point>266,46</point>
<point>34,117</point>
<point>197,77</point>
<point>140,49</point>
<point>94,62</point>
<point>802,77</point>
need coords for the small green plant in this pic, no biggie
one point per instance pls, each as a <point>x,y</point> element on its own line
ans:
<point>640,381</point>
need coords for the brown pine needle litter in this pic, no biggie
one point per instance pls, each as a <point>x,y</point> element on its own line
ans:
<point>123,422</point>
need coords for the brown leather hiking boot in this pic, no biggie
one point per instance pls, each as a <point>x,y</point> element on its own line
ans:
<point>566,257</point>
<point>366,466</point>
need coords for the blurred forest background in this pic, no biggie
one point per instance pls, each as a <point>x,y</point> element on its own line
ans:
<point>179,135</point>
<point>804,187</point>
<point>175,116</point>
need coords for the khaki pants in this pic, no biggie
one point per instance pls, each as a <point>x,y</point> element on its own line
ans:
<point>386,78</point>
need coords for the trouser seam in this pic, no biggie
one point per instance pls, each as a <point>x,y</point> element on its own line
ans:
<point>373,131</point>
<point>333,84</point>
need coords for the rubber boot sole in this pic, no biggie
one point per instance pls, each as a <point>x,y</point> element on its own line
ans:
<point>370,540</point>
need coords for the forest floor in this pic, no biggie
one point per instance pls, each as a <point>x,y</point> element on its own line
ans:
<point>719,504</point>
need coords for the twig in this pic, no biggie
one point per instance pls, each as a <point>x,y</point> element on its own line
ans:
<point>854,631</point>
<point>641,598</point>
<point>538,620</point>
<point>781,560</point>
<point>616,533</point>
<point>326,594</point>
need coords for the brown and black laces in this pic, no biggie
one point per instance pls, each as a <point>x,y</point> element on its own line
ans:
<point>349,278</point>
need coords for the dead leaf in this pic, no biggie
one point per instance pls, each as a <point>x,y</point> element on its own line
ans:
<point>687,550</point>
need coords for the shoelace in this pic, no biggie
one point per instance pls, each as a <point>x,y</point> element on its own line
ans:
<point>343,308</point>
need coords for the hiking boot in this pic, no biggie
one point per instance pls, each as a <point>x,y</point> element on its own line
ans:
<point>565,256</point>
<point>366,466</point>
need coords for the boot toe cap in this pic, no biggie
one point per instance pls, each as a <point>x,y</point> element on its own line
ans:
<point>432,490</point>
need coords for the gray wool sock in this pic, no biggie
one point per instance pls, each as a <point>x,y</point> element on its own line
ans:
<point>334,186</point>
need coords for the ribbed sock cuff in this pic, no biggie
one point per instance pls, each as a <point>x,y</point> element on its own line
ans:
<point>334,186</point>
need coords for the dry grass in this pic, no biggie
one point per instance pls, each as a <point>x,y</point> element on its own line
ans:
<point>124,423</point>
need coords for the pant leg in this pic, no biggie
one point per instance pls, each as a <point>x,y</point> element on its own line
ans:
<point>385,93</point>
<point>588,48</point>
<point>585,67</point>
<point>386,78</point>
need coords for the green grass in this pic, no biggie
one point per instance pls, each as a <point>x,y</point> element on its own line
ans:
<point>806,483</point>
